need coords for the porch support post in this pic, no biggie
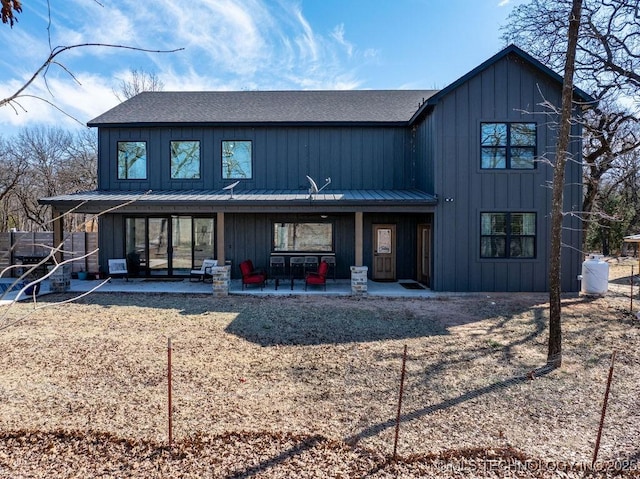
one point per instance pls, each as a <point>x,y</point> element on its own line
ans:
<point>58,227</point>
<point>358,238</point>
<point>220,238</point>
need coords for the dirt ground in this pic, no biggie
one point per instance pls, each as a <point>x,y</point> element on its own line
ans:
<point>309,386</point>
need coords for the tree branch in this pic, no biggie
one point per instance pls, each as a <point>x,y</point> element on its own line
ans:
<point>55,52</point>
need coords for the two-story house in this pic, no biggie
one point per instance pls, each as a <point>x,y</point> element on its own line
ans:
<point>449,187</point>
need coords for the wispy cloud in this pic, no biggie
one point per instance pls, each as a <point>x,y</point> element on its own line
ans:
<point>228,44</point>
<point>338,35</point>
<point>504,3</point>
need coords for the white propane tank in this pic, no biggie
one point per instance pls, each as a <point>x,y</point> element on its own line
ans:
<point>595,275</point>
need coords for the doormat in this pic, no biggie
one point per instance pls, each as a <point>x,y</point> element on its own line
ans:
<point>412,286</point>
<point>164,280</point>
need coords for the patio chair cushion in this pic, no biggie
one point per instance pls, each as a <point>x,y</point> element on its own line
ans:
<point>319,278</point>
<point>250,275</point>
<point>205,269</point>
<point>118,267</point>
<point>253,279</point>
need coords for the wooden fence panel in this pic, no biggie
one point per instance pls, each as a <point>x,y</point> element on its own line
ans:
<point>92,245</point>
<point>21,243</point>
<point>42,243</point>
<point>5,250</point>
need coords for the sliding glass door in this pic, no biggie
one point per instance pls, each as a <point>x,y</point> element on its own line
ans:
<point>203,240</point>
<point>181,245</point>
<point>159,247</point>
<point>168,245</point>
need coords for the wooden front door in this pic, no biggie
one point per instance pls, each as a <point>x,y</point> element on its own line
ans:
<point>424,254</point>
<point>384,253</point>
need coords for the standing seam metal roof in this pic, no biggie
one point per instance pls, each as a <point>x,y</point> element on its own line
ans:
<point>214,196</point>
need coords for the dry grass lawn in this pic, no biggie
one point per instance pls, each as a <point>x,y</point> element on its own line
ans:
<point>308,387</point>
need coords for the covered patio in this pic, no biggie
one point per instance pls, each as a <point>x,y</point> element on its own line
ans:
<point>339,287</point>
<point>171,232</point>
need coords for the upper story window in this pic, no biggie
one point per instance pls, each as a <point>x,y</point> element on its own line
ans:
<point>132,160</point>
<point>185,160</point>
<point>236,160</point>
<point>302,237</point>
<point>508,235</point>
<point>508,145</point>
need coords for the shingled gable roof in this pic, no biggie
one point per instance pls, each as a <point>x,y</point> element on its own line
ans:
<point>579,94</point>
<point>266,107</point>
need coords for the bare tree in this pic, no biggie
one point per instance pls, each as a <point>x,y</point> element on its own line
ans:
<point>617,206</point>
<point>44,151</point>
<point>612,136</point>
<point>554,354</point>
<point>54,59</point>
<point>137,82</point>
<point>41,162</point>
<point>11,171</point>
<point>28,279</point>
<point>608,48</point>
<point>607,65</point>
<point>79,173</point>
<point>13,100</point>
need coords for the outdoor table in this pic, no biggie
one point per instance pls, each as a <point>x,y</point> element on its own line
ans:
<point>289,254</point>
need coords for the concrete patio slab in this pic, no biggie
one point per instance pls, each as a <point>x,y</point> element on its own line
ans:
<point>340,287</point>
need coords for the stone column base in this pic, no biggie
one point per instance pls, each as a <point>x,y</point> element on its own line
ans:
<point>359,280</point>
<point>60,280</point>
<point>221,276</point>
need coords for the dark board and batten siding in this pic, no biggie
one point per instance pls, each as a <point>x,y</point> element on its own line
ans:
<point>239,245</point>
<point>354,157</point>
<point>507,91</point>
<point>247,236</point>
<point>250,236</point>
<point>406,240</point>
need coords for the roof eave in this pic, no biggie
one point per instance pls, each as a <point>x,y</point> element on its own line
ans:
<point>203,124</point>
<point>96,201</point>
<point>239,206</point>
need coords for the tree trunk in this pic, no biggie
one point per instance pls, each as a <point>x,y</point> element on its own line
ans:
<point>554,355</point>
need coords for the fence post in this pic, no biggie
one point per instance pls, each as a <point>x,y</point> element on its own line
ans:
<point>11,252</point>
<point>404,364</point>
<point>604,410</point>
<point>169,393</point>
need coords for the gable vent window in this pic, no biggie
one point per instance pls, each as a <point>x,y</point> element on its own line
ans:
<point>508,146</point>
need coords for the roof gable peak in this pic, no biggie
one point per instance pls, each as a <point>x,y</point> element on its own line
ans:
<point>505,52</point>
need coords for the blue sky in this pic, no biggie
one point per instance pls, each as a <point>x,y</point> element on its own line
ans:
<point>242,45</point>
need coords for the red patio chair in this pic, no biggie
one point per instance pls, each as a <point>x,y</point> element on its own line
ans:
<point>250,275</point>
<point>318,278</point>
